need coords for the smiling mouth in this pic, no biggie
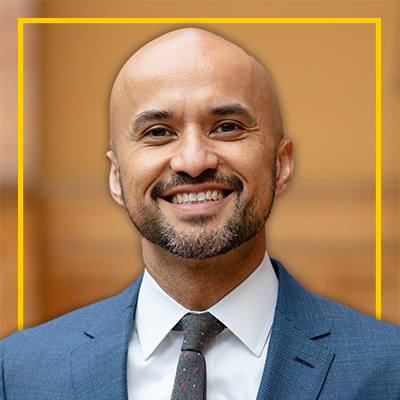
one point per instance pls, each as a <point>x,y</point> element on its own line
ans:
<point>198,197</point>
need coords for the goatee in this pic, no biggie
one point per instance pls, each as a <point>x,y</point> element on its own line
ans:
<point>198,241</point>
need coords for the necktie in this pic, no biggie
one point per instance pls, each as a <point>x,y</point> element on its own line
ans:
<point>190,379</point>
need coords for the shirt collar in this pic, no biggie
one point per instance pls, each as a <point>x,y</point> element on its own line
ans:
<point>247,311</point>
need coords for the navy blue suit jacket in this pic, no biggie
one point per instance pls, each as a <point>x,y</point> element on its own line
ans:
<point>318,350</point>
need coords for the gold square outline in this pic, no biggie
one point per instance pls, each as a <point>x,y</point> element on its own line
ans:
<point>378,115</point>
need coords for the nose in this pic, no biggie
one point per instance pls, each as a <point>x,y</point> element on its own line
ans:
<point>194,154</point>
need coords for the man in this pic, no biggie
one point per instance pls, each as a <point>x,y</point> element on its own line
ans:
<point>197,157</point>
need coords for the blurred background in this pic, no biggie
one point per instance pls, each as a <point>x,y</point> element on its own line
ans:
<point>80,247</point>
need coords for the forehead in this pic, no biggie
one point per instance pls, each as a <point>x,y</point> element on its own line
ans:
<point>181,53</point>
<point>194,89</point>
<point>189,75</point>
<point>191,87</point>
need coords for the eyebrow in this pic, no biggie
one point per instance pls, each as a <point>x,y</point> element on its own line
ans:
<point>151,116</point>
<point>233,109</point>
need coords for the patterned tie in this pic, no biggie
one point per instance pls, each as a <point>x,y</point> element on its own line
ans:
<point>190,380</point>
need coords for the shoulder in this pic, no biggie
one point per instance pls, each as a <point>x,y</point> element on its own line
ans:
<point>365,352</point>
<point>358,354</point>
<point>73,328</point>
<point>37,363</point>
<point>350,328</point>
<point>343,330</point>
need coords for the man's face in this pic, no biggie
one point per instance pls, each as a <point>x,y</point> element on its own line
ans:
<point>195,156</point>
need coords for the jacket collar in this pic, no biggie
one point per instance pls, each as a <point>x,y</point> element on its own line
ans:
<point>99,365</point>
<point>297,364</point>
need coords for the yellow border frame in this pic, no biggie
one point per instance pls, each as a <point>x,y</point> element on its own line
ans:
<point>378,134</point>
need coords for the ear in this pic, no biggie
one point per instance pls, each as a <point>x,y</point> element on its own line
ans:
<point>115,186</point>
<point>284,166</point>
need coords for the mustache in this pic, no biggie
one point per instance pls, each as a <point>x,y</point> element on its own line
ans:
<point>208,176</point>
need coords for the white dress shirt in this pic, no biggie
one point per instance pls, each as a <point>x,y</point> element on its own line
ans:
<point>234,359</point>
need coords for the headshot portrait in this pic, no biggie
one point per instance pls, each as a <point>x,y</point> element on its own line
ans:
<point>200,215</point>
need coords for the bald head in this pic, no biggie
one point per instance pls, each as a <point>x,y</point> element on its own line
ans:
<point>195,119</point>
<point>191,56</point>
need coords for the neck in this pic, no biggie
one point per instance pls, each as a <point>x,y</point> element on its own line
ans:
<point>199,284</point>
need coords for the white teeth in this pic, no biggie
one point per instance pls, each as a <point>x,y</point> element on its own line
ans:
<point>193,198</point>
<point>201,196</point>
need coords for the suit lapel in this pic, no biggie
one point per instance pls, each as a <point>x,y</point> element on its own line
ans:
<point>99,366</point>
<point>297,364</point>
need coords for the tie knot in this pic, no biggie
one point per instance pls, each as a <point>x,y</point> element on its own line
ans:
<point>198,330</point>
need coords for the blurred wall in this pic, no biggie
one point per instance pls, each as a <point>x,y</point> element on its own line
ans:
<point>80,247</point>
<point>10,11</point>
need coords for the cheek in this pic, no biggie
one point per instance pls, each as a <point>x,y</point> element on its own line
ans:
<point>253,162</point>
<point>140,170</point>
<point>258,173</point>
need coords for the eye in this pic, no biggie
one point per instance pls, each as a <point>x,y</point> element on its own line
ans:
<point>227,127</point>
<point>157,133</point>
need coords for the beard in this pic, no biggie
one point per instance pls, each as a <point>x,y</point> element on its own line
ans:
<point>199,242</point>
